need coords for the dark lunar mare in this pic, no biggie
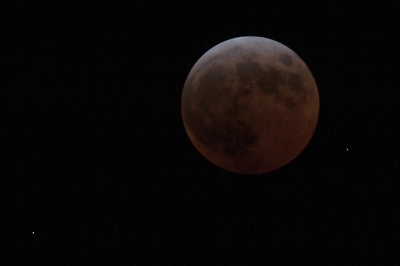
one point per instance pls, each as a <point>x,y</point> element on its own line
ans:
<point>235,136</point>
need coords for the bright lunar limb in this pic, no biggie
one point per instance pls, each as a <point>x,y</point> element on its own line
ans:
<point>250,105</point>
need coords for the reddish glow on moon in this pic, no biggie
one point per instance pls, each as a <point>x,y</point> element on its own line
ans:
<point>250,105</point>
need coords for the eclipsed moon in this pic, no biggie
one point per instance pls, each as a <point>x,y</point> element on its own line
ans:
<point>250,105</point>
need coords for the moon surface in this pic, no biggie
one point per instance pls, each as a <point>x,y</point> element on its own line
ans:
<point>250,105</point>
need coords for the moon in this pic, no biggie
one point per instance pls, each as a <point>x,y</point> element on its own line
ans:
<point>250,105</point>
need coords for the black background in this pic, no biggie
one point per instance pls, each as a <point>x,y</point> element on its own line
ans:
<point>96,162</point>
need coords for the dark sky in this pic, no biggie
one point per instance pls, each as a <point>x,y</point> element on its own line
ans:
<point>96,162</point>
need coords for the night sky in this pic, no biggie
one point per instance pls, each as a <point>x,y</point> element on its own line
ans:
<point>96,165</point>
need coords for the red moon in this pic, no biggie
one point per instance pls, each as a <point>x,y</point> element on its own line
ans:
<point>250,105</point>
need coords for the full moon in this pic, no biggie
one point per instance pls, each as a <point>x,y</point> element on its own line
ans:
<point>250,105</point>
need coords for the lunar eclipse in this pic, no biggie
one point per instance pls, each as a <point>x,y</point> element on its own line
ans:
<point>250,105</point>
